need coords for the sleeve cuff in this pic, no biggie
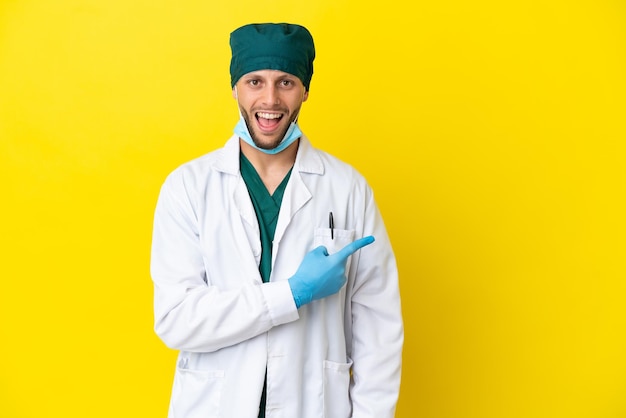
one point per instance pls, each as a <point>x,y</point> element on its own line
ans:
<point>280,302</point>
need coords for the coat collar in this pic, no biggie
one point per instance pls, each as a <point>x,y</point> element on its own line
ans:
<point>308,159</point>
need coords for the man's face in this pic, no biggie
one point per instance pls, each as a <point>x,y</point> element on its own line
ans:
<point>269,101</point>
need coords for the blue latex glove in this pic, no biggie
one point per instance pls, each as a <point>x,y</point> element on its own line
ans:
<point>320,274</point>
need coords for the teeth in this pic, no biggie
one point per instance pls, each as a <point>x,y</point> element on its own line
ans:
<point>269,115</point>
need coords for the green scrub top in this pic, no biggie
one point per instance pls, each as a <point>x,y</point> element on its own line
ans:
<point>267,208</point>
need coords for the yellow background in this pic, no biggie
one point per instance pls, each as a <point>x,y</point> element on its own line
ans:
<point>491,131</point>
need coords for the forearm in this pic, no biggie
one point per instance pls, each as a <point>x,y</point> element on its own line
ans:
<point>377,342</point>
<point>206,319</point>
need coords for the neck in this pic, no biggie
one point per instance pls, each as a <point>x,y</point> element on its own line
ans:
<point>272,168</point>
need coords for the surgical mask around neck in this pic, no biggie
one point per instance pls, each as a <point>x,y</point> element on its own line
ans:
<point>293,133</point>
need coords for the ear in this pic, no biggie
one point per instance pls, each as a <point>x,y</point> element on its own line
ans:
<point>306,96</point>
<point>235,92</point>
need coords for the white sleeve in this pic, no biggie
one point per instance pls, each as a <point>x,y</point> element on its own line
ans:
<point>189,314</point>
<point>377,326</point>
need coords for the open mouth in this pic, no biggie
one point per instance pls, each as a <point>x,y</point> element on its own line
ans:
<point>268,121</point>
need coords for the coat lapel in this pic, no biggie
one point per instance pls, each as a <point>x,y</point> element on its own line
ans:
<point>297,193</point>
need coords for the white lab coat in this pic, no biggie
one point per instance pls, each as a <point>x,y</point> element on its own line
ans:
<point>336,357</point>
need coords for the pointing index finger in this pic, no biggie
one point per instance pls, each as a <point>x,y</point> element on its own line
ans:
<point>354,246</point>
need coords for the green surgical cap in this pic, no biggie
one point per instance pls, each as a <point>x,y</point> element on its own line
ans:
<point>272,46</point>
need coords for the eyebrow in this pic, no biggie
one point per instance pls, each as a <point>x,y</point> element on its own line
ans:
<point>253,75</point>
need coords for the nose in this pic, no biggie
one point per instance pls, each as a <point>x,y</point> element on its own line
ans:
<point>271,96</point>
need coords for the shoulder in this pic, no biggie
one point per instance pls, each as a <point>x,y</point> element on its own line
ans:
<point>331,169</point>
<point>200,170</point>
<point>316,161</point>
<point>225,159</point>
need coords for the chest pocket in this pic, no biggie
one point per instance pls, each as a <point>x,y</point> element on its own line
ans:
<point>340,238</point>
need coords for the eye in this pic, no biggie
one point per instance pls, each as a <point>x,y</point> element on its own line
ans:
<point>253,82</point>
<point>286,83</point>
